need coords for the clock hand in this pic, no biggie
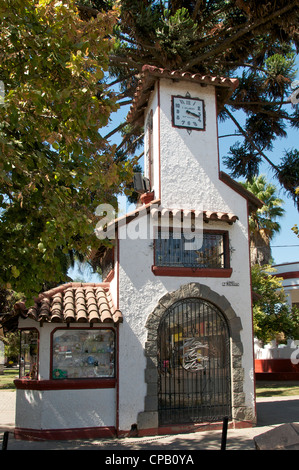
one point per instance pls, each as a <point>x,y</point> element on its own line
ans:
<point>193,114</point>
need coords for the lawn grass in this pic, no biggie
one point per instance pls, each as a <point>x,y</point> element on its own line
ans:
<point>7,379</point>
<point>277,389</point>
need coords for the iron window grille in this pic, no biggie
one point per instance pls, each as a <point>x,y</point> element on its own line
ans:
<point>206,250</point>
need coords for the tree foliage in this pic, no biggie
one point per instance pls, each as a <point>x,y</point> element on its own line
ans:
<point>254,40</point>
<point>296,228</point>
<point>55,168</point>
<point>264,223</point>
<point>271,315</point>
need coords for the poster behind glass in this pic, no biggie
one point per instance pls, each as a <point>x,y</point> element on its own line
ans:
<point>81,354</point>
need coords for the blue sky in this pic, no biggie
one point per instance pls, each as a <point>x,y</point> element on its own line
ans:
<point>285,245</point>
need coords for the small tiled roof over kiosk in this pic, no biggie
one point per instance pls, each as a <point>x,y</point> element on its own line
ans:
<point>75,302</point>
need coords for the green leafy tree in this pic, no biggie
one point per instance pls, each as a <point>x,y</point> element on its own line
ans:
<point>55,167</point>
<point>272,317</point>
<point>254,40</point>
<point>263,223</point>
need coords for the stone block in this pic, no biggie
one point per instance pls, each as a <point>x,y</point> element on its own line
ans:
<point>147,420</point>
<point>150,348</point>
<point>285,437</point>
<point>151,403</point>
<point>237,348</point>
<point>238,399</point>
<point>151,375</point>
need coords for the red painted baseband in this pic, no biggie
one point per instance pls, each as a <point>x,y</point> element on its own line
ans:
<point>63,434</point>
<point>275,365</point>
<point>280,376</point>
<point>64,384</point>
<point>276,369</point>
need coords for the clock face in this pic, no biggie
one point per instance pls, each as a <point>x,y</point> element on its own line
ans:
<point>188,113</point>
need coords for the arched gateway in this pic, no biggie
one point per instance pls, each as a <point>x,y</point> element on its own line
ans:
<point>194,360</point>
<point>193,363</point>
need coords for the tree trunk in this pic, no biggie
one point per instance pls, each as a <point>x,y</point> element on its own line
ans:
<point>260,250</point>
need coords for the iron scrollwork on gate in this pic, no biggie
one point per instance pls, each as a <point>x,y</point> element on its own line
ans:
<point>194,364</point>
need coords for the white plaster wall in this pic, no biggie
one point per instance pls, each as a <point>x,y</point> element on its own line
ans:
<point>189,162</point>
<point>274,351</point>
<point>139,293</point>
<point>153,105</point>
<point>113,282</point>
<point>65,409</point>
<point>135,259</point>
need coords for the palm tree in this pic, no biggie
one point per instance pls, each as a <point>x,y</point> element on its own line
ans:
<point>263,223</point>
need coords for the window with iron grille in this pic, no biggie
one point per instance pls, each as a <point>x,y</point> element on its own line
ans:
<point>205,250</point>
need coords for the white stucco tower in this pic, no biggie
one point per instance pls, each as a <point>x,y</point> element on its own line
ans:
<point>185,346</point>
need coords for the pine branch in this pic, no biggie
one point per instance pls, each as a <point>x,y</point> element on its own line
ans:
<point>125,61</point>
<point>196,8</point>
<point>255,103</point>
<point>229,135</point>
<point>120,79</point>
<point>224,45</point>
<point>114,131</point>
<point>125,103</point>
<point>125,140</point>
<point>249,139</point>
<point>236,64</point>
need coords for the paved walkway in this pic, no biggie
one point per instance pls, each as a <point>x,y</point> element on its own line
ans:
<point>271,412</point>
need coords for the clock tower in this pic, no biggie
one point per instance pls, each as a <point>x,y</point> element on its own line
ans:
<point>181,150</point>
<point>195,301</point>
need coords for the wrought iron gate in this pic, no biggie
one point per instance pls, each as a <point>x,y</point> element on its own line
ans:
<point>194,364</point>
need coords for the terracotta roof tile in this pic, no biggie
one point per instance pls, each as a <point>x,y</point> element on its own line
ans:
<point>150,74</point>
<point>152,208</point>
<point>76,302</point>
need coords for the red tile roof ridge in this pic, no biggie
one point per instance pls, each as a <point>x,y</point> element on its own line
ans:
<point>71,285</point>
<point>126,218</point>
<point>139,211</point>
<point>150,73</point>
<point>76,302</point>
<point>213,79</point>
